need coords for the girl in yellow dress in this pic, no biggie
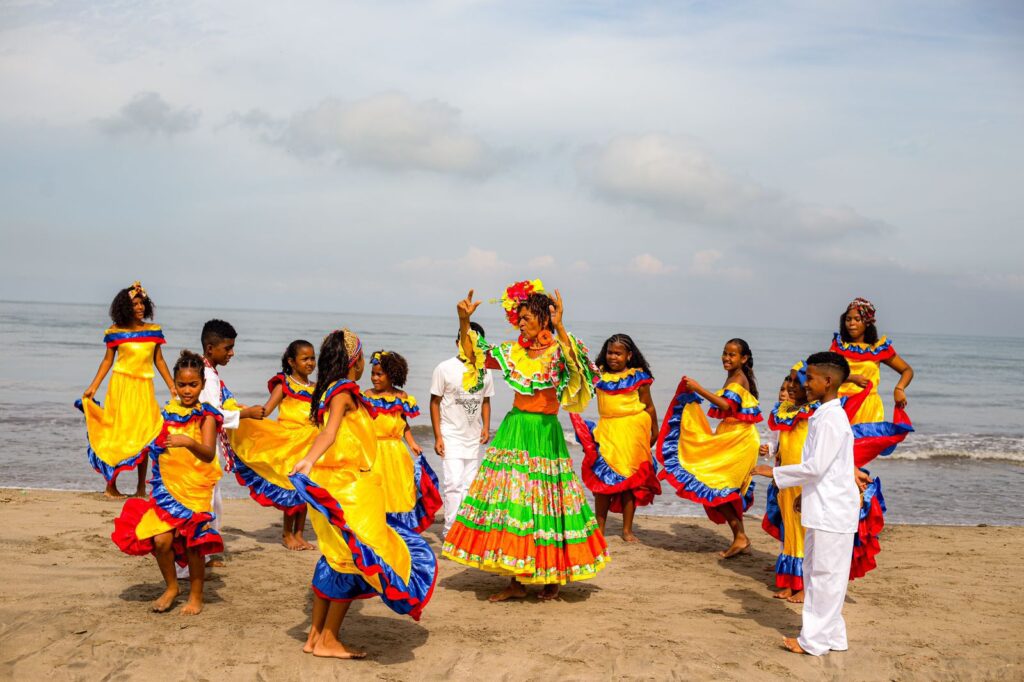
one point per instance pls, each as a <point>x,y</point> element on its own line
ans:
<point>119,431</point>
<point>858,341</point>
<point>714,468</point>
<point>618,467</point>
<point>363,555</point>
<point>174,524</point>
<point>411,496</point>
<point>264,452</point>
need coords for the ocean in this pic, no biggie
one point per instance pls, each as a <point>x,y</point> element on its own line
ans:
<point>964,465</point>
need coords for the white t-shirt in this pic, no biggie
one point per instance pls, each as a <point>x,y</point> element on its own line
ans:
<point>461,411</point>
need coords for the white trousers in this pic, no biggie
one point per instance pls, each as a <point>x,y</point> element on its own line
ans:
<point>458,476</point>
<point>827,559</point>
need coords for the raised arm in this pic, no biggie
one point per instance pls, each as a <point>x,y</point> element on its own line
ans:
<point>899,394</point>
<point>340,405</point>
<point>105,364</point>
<point>465,308</point>
<point>716,400</point>
<point>556,311</point>
<point>165,374</point>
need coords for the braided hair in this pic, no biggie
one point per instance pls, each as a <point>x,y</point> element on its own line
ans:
<point>636,359</point>
<point>189,360</point>
<point>292,352</point>
<point>331,365</point>
<point>122,308</point>
<point>540,305</point>
<point>393,365</point>
<point>748,366</point>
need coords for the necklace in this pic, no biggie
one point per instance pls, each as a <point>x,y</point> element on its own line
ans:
<point>300,383</point>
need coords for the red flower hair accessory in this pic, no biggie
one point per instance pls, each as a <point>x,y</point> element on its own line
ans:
<point>515,295</point>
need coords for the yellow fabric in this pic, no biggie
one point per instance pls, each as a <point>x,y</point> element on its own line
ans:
<point>360,493</point>
<point>187,478</point>
<point>129,420</point>
<point>791,445</point>
<point>393,463</point>
<point>577,394</point>
<point>723,458</point>
<point>135,358</point>
<point>272,448</point>
<point>624,430</point>
<point>747,399</point>
<point>872,410</point>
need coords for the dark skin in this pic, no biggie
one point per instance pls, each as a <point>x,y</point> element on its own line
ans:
<point>188,383</point>
<point>855,327</point>
<point>138,323</point>
<point>530,328</point>
<point>301,366</point>
<point>733,360</point>
<point>822,385</point>
<point>328,615</point>
<point>618,357</point>
<point>435,421</point>
<point>383,388</point>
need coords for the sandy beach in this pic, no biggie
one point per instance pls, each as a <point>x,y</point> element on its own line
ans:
<point>944,604</point>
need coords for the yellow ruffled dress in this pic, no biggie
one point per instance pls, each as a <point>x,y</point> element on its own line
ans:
<point>363,555</point>
<point>865,360</point>
<point>119,431</point>
<point>264,452</point>
<point>711,468</point>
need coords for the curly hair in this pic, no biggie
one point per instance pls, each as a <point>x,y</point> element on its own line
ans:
<point>393,365</point>
<point>122,309</point>
<point>189,360</point>
<point>292,352</point>
<point>540,305</point>
<point>331,365</point>
<point>870,331</point>
<point>748,366</point>
<point>636,359</point>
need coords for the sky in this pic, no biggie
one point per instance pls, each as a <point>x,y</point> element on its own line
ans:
<point>741,163</point>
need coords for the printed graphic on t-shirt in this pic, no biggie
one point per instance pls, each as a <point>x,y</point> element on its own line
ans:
<point>469,404</point>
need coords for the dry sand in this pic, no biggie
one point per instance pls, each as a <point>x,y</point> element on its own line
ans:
<point>945,603</point>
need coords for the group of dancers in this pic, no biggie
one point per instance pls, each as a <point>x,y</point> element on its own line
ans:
<point>350,458</point>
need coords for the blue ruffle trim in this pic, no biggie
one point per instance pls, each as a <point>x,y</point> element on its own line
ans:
<point>263,491</point>
<point>789,565</point>
<point>335,586</point>
<point>773,513</point>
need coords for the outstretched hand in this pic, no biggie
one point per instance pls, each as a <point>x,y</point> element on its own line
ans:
<point>555,310</point>
<point>303,466</point>
<point>467,306</point>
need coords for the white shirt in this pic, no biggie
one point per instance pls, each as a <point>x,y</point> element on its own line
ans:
<point>461,418</point>
<point>831,500</point>
<point>211,394</point>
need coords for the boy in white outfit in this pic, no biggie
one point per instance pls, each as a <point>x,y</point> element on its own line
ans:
<point>461,422</point>
<point>830,508</point>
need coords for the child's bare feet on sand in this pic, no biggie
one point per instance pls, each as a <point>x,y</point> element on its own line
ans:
<point>291,542</point>
<point>112,492</point>
<point>214,563</point>
<point>513,591</point>
<point>303,544</point>
<point>194,606</point>
<point>738,546</point>
<point>166,600</point>
<point>797,598</point>
<point>549,593</point>
<point>629,537</point>
<point>784,593</point>
<point>328,647</point>
<point>790,644</point>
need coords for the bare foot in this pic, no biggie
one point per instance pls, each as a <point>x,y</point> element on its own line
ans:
<point>291,542</point>
<point>738,546</point>
<point>214,563</point>
<point>797,598</point>
<point>629,537</point>
<point>784,593</point>
<point>140,492</point>
<point>303,544</point>
<point>335,649</point>
<point>307,648</point>
<point>194,606</point>
<point>790,644</point>
<point>549,593</point>
<point>112,492</point>
<point>166,600</point>
<point>513,591</point>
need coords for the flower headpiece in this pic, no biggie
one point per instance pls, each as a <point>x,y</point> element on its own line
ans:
<point>136,290</point>
<point>515,295</point>
<point>866,309</point>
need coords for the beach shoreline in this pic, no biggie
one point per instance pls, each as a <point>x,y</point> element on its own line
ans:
<point>74,607</point>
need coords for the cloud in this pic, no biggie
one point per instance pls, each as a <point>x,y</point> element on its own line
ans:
<point>541,262</point>
<point>646,264</point>
<point>672,175</point>
<point>705,263</point>
<point>148,112</point>
<point>475,260</point>
<point>580,266</point>
<point>388,131</point>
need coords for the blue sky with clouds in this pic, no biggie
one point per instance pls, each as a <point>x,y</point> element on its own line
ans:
<point>712,163</point>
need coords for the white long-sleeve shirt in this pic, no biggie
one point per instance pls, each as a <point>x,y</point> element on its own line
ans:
<point>831,500</point>
<point>211,394</point>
